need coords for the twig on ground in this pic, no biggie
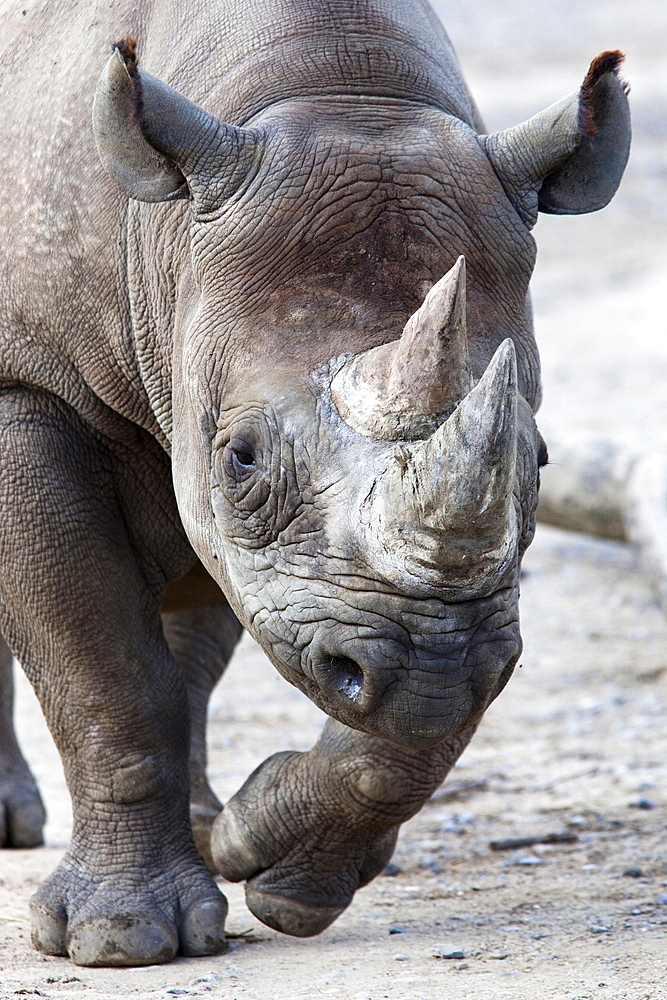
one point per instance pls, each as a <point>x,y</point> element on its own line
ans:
<point>514,843</point>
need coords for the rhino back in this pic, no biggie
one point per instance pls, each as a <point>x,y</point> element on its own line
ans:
<point>64,311</point>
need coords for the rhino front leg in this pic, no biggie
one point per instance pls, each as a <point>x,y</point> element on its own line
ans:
<point>308,829</point>
<point>79,598</point>
<point>22,812</point>
<point>202,641</point>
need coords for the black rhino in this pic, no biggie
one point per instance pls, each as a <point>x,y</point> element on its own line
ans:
<point>266,361</point>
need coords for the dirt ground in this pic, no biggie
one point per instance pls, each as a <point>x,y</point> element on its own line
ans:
<point>577,744</point>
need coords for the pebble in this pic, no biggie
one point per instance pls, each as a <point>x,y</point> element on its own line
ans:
<point>643,803</point>
<point>662,899</point>
<point>524,859</point>
<point>450,954</point>
<point>400,958</point>
<point>599,929</point>
<point>431,866</point>
<point>633,872</point>
<point>398,929</point>
<point>391,869</point>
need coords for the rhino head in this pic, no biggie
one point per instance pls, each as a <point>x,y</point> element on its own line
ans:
<point>373,524</point>
<point>354,449</point>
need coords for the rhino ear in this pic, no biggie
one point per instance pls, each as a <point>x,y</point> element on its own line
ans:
<point>570,158</point>
<point>158,146</point>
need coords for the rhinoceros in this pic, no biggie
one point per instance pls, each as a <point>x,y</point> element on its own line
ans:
<point>267,362</point>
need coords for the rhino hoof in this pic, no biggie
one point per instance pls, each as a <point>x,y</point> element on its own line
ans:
<point>122,940</point>
<point>286,915</point>
<point>202,928</point>
<point>22,814</point>
<point>49,927</point>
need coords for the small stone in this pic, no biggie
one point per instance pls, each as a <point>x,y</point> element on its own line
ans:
<point>633,872</point>
<point>400,958</point>
<point>500,957</point>
<point>524,859</point>
<point>450,954</point>
<point>391,869</point>
<point>177,993</point>
<point>462,966</point>
<point>398,929</point>
<point>431,866</point>
<point>599,929</point>
<point>643,802</point>
<point>662,899</point>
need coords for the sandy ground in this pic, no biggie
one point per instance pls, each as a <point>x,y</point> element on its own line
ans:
<point>577,744</point>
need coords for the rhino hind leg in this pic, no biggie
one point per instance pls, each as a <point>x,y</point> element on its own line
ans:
<point>79,598</point>
<point>202,641</point>
<point>22,813</point>
<point>307,830</point>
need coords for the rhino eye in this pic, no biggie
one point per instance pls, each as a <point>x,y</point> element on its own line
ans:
<point>239,459</point>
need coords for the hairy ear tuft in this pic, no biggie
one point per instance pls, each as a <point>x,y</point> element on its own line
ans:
<point>127,50</point>
<point>606,62</point>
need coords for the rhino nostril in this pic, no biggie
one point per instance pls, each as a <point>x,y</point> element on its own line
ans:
<point>347,677</point>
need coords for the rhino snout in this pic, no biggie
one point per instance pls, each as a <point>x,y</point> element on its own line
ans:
<point>413,695</point>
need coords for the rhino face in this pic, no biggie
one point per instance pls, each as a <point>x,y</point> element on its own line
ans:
<point>377,564</point>
<point>363,498</point>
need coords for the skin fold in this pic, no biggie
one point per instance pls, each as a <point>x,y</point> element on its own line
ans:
<point>272,191</point>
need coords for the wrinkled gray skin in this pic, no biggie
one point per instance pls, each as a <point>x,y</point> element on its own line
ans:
<point>166,405</point>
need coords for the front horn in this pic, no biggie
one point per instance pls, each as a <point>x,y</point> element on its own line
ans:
<point>403,390</point>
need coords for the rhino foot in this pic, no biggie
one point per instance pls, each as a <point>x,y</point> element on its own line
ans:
<point>302,840</point>
<point>22,814</point>
<point>130,917</point>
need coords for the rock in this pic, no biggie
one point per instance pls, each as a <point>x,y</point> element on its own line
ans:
<point>431,866</point>
<point>662,899</point>
<point>643,802</point>
<point>633,872</point>
<point>450,954</point>
<point>391,870</point>
<point>524,858</point>
<point>398,929</point>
